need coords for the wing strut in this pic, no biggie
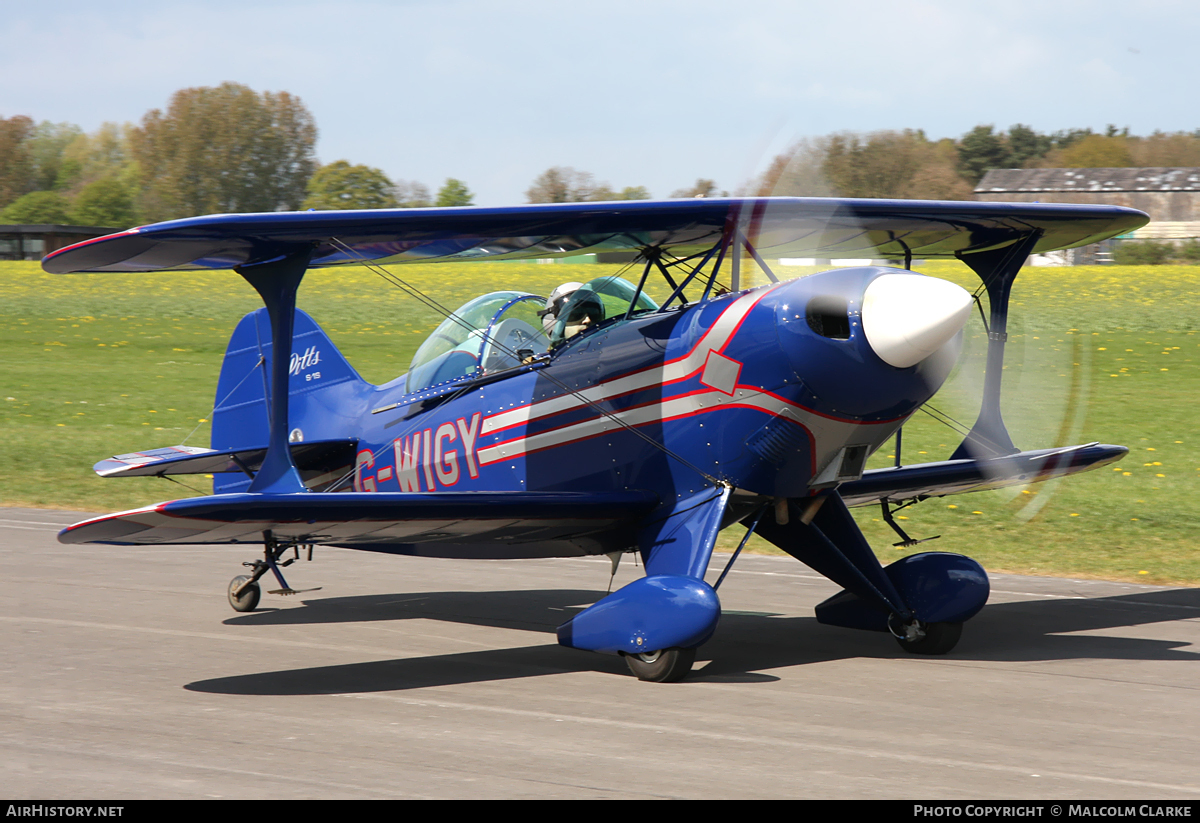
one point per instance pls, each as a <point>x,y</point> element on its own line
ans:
<point>997,268</point>
<point>277,282</point>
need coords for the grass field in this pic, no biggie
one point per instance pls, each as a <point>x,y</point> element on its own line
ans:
<point>95,365</point>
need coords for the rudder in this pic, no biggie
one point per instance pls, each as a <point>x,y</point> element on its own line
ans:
<point>326,394</point>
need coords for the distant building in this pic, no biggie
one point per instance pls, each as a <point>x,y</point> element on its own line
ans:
<point>36,241</point>
<point>1171,196</point>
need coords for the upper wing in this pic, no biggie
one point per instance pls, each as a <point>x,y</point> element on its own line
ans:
<point>957,476</point>
<point>778,227</point>
<point>441,524</point>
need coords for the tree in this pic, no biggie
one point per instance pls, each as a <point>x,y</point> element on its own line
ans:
<point>342,186</point>
<point>1027,145</point>
<point>701,188</point>
<point>412,195</point>
<point>633,193</point>
<point>46,146</point>
<point>225,149</point>
<point>551,186</point>
<point>935,174</point>
<point>564,184</point>
<point>1159,149</point>
<point>105,152</point>
<point>454,193</point>
<point>1096,152</point>
<point>980,150</point>
<point>897,164</point>
<point>37,207</point>
<point>104,202</point>
<point>879,164</point>
<point>16,167</point>
<point>601,193</point>
<point>1068,137</point>
<point>798,172</point>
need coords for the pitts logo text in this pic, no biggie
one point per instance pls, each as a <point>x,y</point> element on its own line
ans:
<point>300,362</point>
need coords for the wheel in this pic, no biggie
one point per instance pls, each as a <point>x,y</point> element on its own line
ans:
<point>250,595</point>
<point>666,666</point>
<point>935,638</point>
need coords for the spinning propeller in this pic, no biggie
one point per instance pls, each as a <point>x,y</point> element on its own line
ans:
<point>1046,375</point>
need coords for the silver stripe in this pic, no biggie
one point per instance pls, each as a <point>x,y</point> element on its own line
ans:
<point>714,339</point>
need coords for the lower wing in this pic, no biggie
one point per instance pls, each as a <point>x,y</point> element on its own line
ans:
<point>923,480</point>
<point>441,524</point>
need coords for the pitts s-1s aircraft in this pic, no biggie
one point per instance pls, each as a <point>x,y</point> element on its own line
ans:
<point>630,426</point>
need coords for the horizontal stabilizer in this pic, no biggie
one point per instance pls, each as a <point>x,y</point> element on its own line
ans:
<point>316,455</point>
<point>437,524</point>
<point>958,476</point>
<point>141,464</point>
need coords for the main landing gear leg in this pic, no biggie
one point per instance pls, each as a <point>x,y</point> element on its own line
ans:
<point>656,623</point>
<point>922,599</point>
<point>244,591</point>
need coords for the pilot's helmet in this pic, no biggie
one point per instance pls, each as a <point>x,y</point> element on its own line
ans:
<point>554,304</point>
<point>583,310</point>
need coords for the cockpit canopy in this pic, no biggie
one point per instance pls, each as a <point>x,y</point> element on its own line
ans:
<point>489,334</point>
<point>499,331</point>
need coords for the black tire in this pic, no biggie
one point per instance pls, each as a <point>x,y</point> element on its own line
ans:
<point>939,638</point>
<point>248,602</point>
<point>666,666</point>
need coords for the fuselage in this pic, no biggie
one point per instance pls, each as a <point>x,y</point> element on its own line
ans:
<point>776,391</point>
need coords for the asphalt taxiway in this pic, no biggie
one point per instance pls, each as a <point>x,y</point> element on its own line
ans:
<point>126,675</point>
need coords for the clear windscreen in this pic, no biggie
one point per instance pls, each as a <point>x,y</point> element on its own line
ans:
<point>455,348</point>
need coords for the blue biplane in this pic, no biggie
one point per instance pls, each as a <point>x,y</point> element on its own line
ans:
<point>626,426</point>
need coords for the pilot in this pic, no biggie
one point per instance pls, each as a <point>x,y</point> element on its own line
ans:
<point>582,311</point>
<point>554,304</point>
<point>568,312</point>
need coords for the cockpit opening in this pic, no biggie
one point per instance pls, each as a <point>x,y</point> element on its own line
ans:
<point>595,303</point>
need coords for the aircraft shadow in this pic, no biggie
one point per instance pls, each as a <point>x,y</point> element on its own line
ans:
<point>744,646</point>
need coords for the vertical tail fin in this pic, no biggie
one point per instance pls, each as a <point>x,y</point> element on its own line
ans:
<point>326,394</point>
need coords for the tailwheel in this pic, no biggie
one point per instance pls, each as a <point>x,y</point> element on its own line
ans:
<point>665,666</point>
<point>926,638</point>
<point>244,593</point>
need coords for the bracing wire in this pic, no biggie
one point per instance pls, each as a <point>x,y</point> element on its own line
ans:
<point>228,394</point>
<point>946,420</point>
<point>433,304</point>
<point>181,483</point>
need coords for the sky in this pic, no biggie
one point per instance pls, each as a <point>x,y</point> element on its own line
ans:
<point>645,93</point>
